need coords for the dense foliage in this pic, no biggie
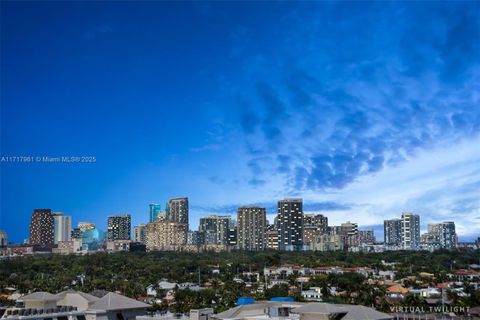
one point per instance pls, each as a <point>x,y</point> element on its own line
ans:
<point>131,273</point>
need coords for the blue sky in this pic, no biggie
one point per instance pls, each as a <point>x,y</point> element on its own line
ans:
<point>363,109</point>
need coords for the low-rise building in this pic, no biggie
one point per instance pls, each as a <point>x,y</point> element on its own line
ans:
<point>74,305</point>
<point>118,245</point>
<point>302,311</point>
<point>312,294</point>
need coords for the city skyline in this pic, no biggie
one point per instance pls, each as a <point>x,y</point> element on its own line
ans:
<point>364,110</point>
<point>216,229</point>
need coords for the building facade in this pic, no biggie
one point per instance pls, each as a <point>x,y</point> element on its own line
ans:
<point>140,233</point>
<point>232,240</point>
<point>195,238</point>
<point>166,235</point>
<point>42,225</point>
<point>318,220</point>
<point>310,233</point>
<point>313,226</point>
<point>410,230</point>
<point>290,224</point>
<point>215,229</point>
<point>62,227</point>
<point>154,211</point>
<point>392,232</point>
<point>178,210</point>
<point>442,234</point>
<point>271,236</point>
<point>3,238</point>
<point>119,227</point>
<point>349,234</point>
<point>251,224</point>
<point>328,242</point>
<point>366,237</point>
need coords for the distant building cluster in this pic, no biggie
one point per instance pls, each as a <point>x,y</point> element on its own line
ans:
<point>404,233</point>
<point>291,230</point>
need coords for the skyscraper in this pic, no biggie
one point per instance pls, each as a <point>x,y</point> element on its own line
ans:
<point>42,228</point>
<point>215,229</point>
<point>119,227</point>
<point>290,224</point>
<point>410,230</point>
<point>62,227</point>
<point>251,224</point>
<point>392,232</point>
<point>154,211</point>
<point>178,210</point>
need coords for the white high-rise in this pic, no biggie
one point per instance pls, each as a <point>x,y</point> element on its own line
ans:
<point>62,227</point>
<point>410,230</point>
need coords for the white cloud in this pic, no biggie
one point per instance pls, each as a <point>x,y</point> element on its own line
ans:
<point>440,184</point>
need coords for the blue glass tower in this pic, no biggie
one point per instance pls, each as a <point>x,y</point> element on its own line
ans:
<point>154,211</point>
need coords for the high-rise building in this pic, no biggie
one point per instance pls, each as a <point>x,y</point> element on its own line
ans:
<point>318,220</point>
<point>349,234</point>
<point>178,210</point>
<point>251,224</point>
<point>166,235</point>
<point>154,211</point>
<point>62,227</point>
<point>410,230</point>
<point>310,233</point>
<point>349,228</point>
<point>140,233</point>
<point>444,234</point>
<point>392,232</point>
<point>271,236</point>
<point>334,230</point>
<point>366,237</point>
<point>215,229</point>
<point>76,233</point>
<point>195,238</point>
<point>3,238</point>
<point>290,224</point>
<point>119,227</point>
<point>42,228</point>
<point>313,226</point>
